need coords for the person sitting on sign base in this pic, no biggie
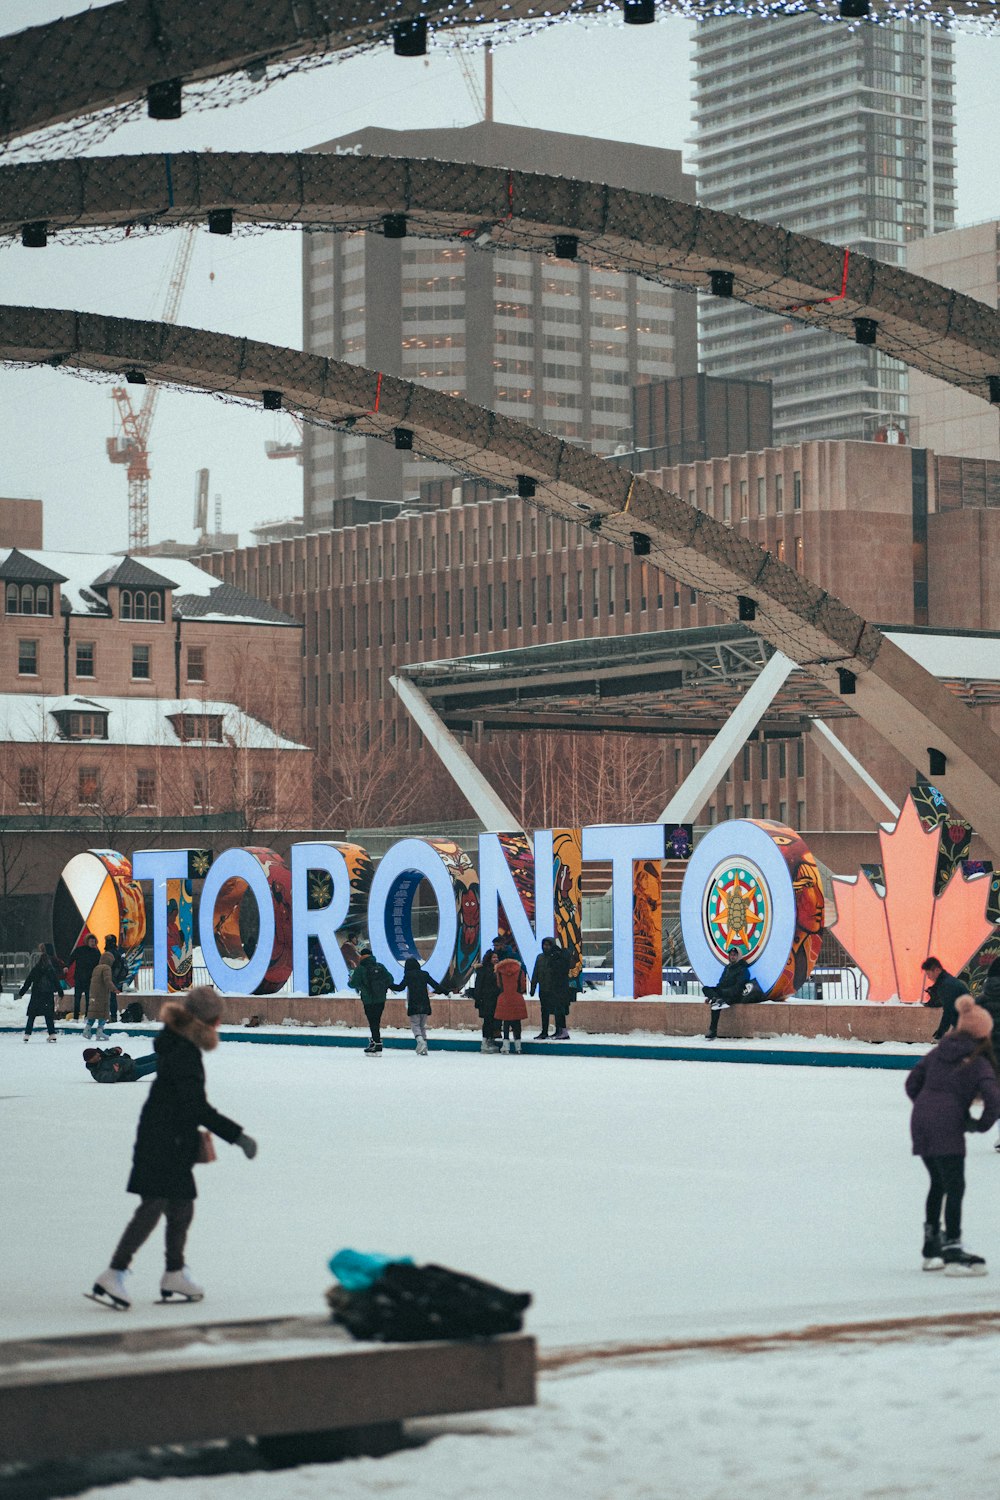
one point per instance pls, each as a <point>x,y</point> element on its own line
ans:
<point>732,989</point>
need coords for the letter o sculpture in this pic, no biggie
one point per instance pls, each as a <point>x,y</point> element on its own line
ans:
<point>234,873</point>
<point>452,875</point>
<point>97,894</point>
<point>753,885</point>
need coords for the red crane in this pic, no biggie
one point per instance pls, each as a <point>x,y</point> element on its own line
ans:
<point>130,443</point>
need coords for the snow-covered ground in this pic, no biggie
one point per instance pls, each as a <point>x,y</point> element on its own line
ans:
<point>639,1201</point>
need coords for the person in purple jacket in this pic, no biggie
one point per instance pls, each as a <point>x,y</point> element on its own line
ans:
<point>943,1086</point>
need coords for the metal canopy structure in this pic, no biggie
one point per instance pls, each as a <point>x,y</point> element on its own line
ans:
<point>931,328</point>
<point>665,682</point>
<point>110,56</point>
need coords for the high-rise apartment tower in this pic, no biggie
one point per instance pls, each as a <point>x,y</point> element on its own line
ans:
<point>843,134</point>
<point>553,342</point>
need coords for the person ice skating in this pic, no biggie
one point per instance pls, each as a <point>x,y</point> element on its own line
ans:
<point>371,980</point>
<point>102,989</point>
<point>44,983</point>
<point>418,983</point>
<point>511,1010</point>
<point>85,960</point>
<point>550,977</point>
<point>729,991</point>
<point>167,1146</point>
<point>943,1086</point>
<point>484,992</point>
<point>943,990</point>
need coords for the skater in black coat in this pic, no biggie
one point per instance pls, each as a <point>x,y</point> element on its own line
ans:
<point>943,990</point>
<point>169,1143</point>
<point>86,956</point>
<point>418,983</point>
<point>484,991</point>
<point>44,983</point>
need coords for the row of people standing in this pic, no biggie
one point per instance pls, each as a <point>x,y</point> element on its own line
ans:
<point>95,986</point>
<point>499,987</point>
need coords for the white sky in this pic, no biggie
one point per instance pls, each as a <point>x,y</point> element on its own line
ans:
<point>55,426</point>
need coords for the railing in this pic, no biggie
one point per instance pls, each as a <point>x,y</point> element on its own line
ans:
<point>828,985</point>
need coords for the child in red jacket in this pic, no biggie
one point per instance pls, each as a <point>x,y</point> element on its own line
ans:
<point>511,1009</point>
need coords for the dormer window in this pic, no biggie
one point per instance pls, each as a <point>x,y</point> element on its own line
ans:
<point>82,724</point>
<point>198,729</point>
<point>141,604</point>
<point>29,599</point>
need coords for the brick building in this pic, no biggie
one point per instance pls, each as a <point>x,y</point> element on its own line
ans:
<point>898,533</point>
<point>137,705</point>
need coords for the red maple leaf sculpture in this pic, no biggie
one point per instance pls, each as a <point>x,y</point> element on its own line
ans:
<point>890,936</point>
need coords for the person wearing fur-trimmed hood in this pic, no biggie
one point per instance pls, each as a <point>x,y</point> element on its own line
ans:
<point>169,1143</point>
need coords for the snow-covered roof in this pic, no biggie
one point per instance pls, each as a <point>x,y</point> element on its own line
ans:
<point>952,655</point>
<point>197,594</point>
<point>28,718</point>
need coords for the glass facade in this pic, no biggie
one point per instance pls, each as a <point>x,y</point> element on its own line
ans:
<point>845,135</point>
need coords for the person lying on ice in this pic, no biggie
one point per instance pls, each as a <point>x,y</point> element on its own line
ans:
<point>732,989</point>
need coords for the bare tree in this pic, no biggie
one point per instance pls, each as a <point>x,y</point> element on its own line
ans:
<point>366,781</point>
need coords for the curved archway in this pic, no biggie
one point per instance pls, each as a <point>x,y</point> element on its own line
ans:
<point>898,698</point>
<point>929,327</point>
<point>110,56</point>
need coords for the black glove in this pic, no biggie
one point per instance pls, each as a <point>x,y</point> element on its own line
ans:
<point>247,1145</point>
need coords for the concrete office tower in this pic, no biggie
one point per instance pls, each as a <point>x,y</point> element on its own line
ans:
<point>553,342</point>
<point>950,420</point>
<point>846,135</point>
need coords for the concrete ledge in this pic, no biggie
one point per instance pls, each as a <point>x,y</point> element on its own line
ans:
<point>666,1017</point>
<point>277,1377</point>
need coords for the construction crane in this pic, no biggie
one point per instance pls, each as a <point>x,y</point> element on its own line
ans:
<point>275,449</point>
<point>130,443</point>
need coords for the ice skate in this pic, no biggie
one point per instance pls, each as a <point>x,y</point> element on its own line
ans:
<point>710,1036</point>
<point>177,1286</point>
<point>517,1046</point>
<point>486,1046</point>
<point>110,1290</point>
<point>561,1036</point>
<point>374,1049</point>
<point>720,1005</point>
<point>505,1046</point>
<point>52,1037</point>
<point>27,1036</point>
<point>542,1036</point>
<point>959,1262</point>
<point>421,1046</point>
<point>932,1248</point>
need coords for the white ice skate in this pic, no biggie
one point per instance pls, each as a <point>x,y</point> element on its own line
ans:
<point>421,1046</point>
<point>177,1286</point>
<point>505,1046</point>
<point>517,1046</point>
<point>110,1290</point>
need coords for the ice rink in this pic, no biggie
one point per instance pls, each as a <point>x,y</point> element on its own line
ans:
<point>638,1201</point>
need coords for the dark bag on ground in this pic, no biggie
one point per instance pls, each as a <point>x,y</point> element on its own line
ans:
<point>110,1065</point>
<point>132,1013</point>
<point>410,1303</point>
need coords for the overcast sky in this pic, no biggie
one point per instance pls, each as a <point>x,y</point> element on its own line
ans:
<point>623,83</point>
